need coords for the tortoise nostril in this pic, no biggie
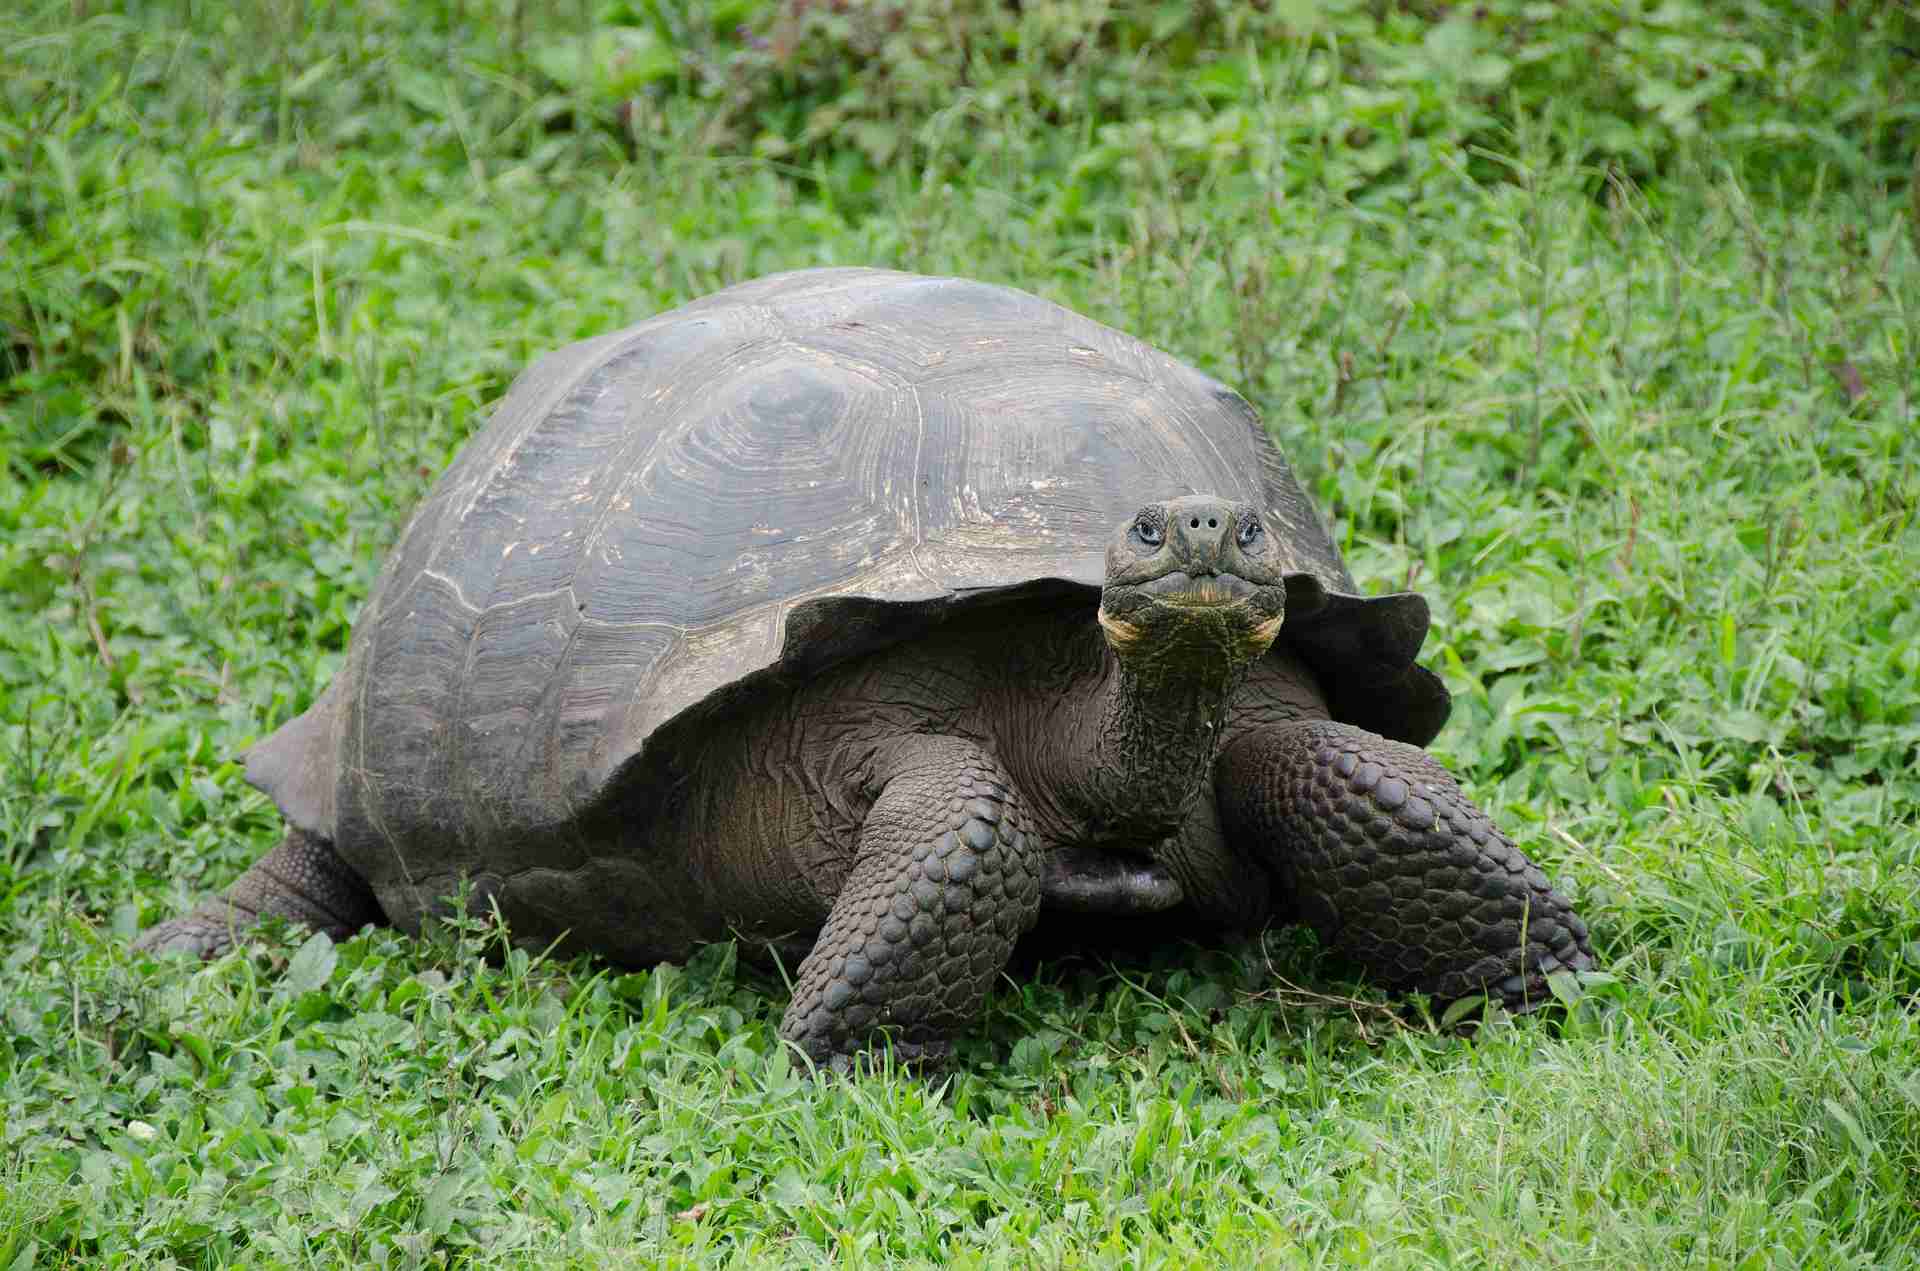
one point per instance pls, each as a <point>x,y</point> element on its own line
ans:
<point>1194,523</point>
<point>1212,524</point>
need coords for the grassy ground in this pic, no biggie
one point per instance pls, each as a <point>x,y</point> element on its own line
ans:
<point>1597,324</point>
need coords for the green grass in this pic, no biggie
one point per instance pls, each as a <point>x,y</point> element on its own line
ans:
<point>1599,324</point>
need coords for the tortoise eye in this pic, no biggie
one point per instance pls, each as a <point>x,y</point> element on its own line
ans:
<point>1250,531</point>
<point>1148,531</point>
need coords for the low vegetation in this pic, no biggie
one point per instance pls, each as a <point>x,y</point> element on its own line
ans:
<point>1599,323</point>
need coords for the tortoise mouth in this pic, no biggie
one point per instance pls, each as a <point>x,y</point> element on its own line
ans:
<point>1209,591</point>
<point>1207,611</point>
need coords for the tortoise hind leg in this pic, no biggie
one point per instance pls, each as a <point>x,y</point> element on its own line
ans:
<point>1394,866</point>
<point>302,880</point>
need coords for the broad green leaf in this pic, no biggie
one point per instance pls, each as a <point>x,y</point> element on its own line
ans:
<point>311,966</point>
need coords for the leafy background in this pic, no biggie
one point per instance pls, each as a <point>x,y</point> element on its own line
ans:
<point>1596,322</point>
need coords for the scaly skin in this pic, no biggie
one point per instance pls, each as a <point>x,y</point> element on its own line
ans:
<point>945,882</point>
<point>1394,866</point>
<point>301,880</point>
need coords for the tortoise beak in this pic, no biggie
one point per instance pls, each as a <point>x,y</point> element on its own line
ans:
<point>1205,590</point>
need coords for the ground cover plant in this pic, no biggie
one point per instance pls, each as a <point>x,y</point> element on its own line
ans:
<point>1597,323</point>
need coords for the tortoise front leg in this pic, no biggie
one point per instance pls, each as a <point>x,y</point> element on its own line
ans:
<point>302,880</point>
<point>944,883</point>
<point>1394,866</point>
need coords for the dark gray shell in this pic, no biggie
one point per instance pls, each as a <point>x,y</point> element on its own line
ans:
<point>755,485</point>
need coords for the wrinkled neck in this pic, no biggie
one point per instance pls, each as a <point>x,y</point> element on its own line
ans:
<point>1146,736</point>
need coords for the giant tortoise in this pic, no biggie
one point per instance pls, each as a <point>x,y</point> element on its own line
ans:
<point>869,617</point>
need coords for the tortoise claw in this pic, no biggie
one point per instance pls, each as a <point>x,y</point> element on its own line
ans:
<point>198,935</point>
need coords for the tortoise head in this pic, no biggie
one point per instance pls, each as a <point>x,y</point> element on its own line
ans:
<point>1193,578</point>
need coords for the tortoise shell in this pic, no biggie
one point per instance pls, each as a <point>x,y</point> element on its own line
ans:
<point>757,485</point>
